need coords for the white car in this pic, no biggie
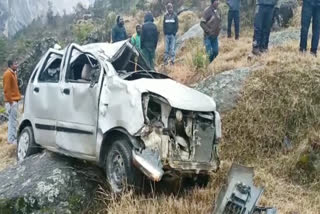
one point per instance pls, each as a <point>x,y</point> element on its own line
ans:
<point>101,103</point>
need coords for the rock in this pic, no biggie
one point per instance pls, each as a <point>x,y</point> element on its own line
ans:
<point>281,37</point>
<point>286,11</point>
<point>48,183</point>
<point>3,118</point>
<point>225,87</point>
<point>194,32</point>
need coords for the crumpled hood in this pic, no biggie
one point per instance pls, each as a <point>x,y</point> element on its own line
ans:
<point>178,95</point>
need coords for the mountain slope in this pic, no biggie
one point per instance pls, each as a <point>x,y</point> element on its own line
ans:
<point>17,14</point>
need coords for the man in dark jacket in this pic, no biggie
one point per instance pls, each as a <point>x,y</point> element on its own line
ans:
<point>234,15</point>
<point>170,28</point>
<point>149,39</point>
<point>262,24</point>
<point>119,32</point>
<point>211,25</point>
<point>310,10</point>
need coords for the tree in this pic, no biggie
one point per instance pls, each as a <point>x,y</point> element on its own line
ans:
<point>3,50</point>
<point>51,19</point>
<point>82,31</point>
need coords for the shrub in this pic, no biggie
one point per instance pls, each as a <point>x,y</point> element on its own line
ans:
<point>200,60</point>
<point>82,31</point>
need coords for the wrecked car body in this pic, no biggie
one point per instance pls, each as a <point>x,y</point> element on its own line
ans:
<point>100,101</point>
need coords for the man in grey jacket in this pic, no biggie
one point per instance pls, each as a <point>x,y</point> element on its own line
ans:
<point>262,24</point>
<point>234,15</point>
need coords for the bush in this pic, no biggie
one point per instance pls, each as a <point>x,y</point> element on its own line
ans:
<point>200,59</point>
<point>82,31</point>
<point>110,20</point>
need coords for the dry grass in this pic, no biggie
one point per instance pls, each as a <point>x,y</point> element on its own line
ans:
<point>232,54</point>
<point>186,21</point>
<point>296,20</point>
<point>7,151</point>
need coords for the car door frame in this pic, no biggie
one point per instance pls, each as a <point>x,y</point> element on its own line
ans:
<point>71,130</point>
<point>43,127</point>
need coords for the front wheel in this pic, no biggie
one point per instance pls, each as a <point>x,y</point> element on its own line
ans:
<point>26,144</point>
<point>120,171</point>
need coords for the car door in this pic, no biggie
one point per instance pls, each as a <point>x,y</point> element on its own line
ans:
<point>42,97</point>
<point>78,98</point>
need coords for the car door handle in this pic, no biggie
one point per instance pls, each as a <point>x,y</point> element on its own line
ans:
<point>66,91</point>
<point>36,89</point>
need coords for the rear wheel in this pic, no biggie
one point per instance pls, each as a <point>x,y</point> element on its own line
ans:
<point>26,144</point>
<point>120,171</point>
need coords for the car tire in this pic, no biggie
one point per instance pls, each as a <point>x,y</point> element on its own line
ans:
<point>120,172</point>
<point>26,144</point>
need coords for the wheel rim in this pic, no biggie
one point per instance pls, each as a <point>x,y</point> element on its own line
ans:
<point>117,175</point>
<point>23,145</point>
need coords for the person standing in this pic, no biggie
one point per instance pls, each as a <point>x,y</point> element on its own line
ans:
<point>119,32</point>
<point>170,29</point>
<point>262,24</point>
<point>11,97</point>
<point>234,15</point>
<point>211,25</point>
<point>149,39</point>
<point>310,10</point>
<point>136,38</point>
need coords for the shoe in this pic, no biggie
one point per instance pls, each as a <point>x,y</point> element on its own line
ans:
<point>237,37</point>
<point>256,51</point>
<point>313,53</point>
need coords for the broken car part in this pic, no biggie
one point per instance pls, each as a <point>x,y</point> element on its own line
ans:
<point>149,163</point>
<point>240,196</point>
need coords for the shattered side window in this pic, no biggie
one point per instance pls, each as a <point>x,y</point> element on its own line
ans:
<point>51,72</point>
<point>83,69</point>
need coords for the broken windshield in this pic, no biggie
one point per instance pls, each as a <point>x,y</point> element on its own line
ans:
<point>142,74</point>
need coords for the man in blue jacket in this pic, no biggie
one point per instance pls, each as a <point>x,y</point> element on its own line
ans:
<point>234,15</point>
<point>119,32</point>
<point>262,24</point>
<point>149,39</point>
<point>310,10</point>
<point>170,28</point>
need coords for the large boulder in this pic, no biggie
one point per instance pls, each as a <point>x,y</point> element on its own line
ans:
<point>48,183</point>
<point>193,33</point>
<point>282,37</point>
<point>225,87</point>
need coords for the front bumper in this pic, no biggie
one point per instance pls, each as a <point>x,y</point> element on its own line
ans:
<point>186,167</point>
